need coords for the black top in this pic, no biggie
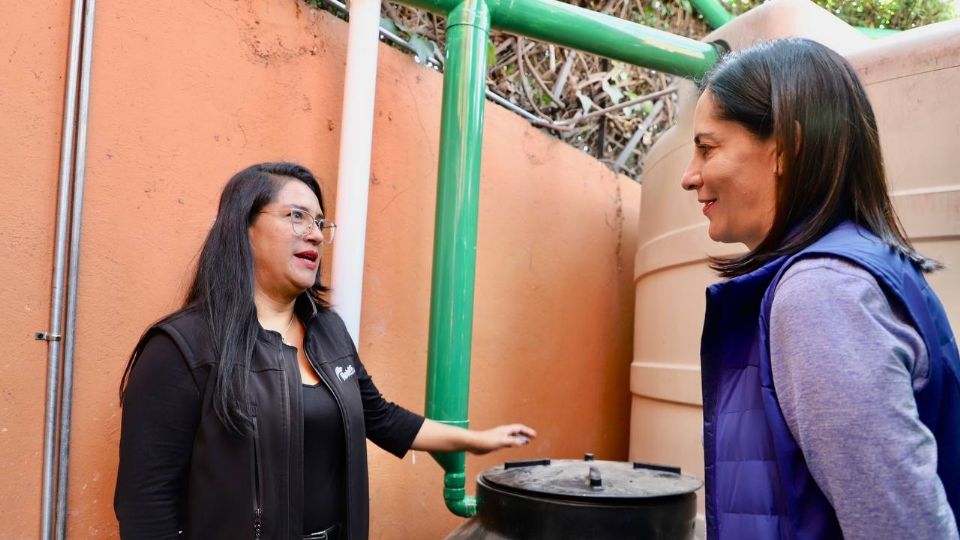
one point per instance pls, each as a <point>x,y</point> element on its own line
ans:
<point>323,459</point>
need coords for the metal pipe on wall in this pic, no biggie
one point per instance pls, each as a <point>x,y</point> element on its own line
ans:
<point>73,274</point>
<point>53,334</point>
<point>353,175</point>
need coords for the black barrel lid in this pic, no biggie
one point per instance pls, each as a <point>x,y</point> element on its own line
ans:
<point>591,479</point>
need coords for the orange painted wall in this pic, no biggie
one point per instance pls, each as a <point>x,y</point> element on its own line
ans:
<point>186,94</point>
<point>32,59</point>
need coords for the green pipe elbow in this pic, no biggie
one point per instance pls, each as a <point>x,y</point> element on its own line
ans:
<point>455,495</point>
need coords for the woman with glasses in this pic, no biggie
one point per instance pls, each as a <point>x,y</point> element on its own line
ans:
<point>830,373</point>
<point>245,413</point>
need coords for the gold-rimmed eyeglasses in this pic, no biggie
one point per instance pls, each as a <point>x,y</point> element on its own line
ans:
<point>303,222</point>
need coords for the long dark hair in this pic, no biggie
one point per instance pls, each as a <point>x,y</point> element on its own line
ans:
<point>223,285</point>
<point>810,100</point>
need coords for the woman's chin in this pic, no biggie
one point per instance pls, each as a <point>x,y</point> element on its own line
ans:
<point>303,284</point>
<point>717,234</point>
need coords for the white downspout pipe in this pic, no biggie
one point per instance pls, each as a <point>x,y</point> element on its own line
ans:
<point>353,177</point>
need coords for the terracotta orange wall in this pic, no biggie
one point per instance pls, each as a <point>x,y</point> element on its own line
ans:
<point>34,53</point>
<point>183,96</point>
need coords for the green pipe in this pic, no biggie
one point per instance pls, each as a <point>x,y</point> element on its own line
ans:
<point>595,33</point>
<point>877,33</point>
<point>713,11</point>
<point>716,16</point>
<point>455,236</point>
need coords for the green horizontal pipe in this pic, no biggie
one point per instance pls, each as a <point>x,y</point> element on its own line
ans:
<point>877,33</point>
<point>455,236</point>
<point>713,11</point>
<point>595,33</point>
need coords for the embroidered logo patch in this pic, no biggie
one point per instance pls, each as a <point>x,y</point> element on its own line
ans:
<point>345,374</point>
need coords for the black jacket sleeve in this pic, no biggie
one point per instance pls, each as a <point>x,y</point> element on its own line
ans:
<point>161,412</point>
<point>388,425</point>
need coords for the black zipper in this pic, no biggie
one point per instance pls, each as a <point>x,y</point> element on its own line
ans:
<point>285,398</point>
<point>257,490</point>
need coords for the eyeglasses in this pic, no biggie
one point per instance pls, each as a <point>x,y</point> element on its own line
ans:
<point>303,222</point>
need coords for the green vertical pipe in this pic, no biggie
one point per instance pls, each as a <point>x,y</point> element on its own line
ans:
<point>713,11</point>
<point>595,33</point>
<point>455,236</point>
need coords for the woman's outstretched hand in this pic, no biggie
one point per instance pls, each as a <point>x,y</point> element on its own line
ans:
<point>439,437</point>
<point>507,436</point>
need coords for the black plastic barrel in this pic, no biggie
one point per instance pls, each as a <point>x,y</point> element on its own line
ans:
<point>572,499</point>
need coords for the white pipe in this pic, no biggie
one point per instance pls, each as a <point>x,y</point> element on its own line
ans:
<point>353,177</point>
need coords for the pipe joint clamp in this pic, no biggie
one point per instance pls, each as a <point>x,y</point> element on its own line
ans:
<point>473,13</point>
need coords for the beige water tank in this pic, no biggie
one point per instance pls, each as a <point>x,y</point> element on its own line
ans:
<point>912,80</point>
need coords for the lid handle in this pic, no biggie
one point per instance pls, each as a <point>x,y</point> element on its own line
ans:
<point>525,463</point>
<point>596,481</point>
<point>656,467</point>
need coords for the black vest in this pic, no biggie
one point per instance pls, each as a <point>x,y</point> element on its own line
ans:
<point>242,487</point>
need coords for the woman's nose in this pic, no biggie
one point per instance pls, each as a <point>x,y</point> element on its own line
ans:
<point>315,235</point>
<point>691,179</point>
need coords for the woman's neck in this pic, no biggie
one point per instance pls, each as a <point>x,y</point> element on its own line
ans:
<point>272,313</point>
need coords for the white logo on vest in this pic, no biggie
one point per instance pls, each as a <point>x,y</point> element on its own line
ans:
<point>344,374</point>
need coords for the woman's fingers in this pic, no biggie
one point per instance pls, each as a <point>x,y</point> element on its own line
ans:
<point>522,430</point>
<point>512,435</point>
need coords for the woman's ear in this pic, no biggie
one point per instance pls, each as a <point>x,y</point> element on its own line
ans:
<point>776,157</point>
<point>797,144</point>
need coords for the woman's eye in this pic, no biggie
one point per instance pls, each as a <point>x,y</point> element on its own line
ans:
<point>297,215</point>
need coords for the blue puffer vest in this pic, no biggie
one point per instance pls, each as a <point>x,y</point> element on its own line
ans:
<point>757,482</point>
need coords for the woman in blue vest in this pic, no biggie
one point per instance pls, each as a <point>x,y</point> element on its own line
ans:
<point>831,377</point>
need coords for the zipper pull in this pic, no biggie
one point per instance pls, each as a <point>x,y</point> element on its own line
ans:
<point>258,524</point>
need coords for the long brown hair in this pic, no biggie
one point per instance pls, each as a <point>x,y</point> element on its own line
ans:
<point>810,100</point>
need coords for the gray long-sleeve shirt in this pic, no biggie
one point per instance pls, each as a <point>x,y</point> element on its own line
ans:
<point>844,366</point>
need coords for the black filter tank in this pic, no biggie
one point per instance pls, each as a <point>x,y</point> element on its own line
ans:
<point>584,500</point>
